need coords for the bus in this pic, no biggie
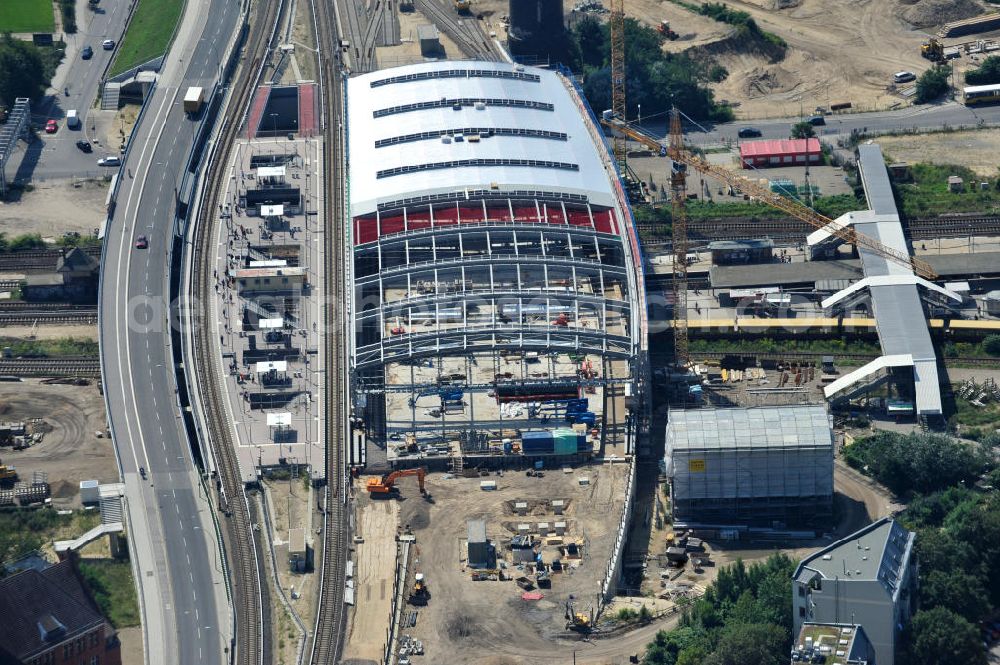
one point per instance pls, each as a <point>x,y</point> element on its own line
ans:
<point>981,94</point>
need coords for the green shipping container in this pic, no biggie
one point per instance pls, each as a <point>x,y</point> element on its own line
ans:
<point>565,441</point>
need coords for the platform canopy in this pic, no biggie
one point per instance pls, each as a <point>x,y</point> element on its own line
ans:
<point>271,171</point>
<point>283,419</point>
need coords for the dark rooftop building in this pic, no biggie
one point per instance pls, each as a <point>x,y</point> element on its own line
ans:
<point>75,277</point>
<point>48,617</point>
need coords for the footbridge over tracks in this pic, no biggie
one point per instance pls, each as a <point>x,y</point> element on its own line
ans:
<point>900,318</point>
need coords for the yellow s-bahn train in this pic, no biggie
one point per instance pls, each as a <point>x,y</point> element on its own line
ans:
<point>981,94</point>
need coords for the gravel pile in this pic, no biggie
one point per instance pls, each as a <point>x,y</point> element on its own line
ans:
<point>929,13</point>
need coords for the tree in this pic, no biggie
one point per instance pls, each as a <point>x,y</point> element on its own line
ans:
<point>654,79</point>
<point>668,645</point>
<point>957,591</point>
<point>938,636</point>
<point>987,73</point>
<point>592,37</point>
<point>803,130</point>
<point>916,462</point>
<point>22,72</point>
<point>991,344</point>
<point>751,644</point>
<point>932,84</point>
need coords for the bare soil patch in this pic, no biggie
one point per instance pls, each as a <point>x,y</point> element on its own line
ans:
<point>488,622</point>
<point>55,207</point>
<point>375,567</point>
<point>70,451</point>
<point>975,149</point>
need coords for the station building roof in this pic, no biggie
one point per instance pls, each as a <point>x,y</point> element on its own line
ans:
<point>527,133</point>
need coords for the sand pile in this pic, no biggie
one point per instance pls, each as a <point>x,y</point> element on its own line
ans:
<point>928,13</point>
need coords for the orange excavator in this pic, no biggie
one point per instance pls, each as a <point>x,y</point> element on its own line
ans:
<point>385,485</point>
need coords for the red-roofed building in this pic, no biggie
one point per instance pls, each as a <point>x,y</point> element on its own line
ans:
<point>781,152</point>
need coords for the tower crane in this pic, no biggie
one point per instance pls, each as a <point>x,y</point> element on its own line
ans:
<point>618,108</point>
<point>679,236</point>
<point>681,160</point>
<point>676,151</point>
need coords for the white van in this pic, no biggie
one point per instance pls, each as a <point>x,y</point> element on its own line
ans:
<point>72,119</point>
<point>904,77</point>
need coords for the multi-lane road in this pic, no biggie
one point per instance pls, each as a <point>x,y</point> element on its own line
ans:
<point>924,117</point>
<point>181,581</point>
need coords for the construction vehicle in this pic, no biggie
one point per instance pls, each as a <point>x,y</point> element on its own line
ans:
<point>578,621</point>
<point>933,50</point>
<point>7,473</point>
<point>664,29</point>
<point>385,486</point>
<point>419,595</point>
<point>463,6</point>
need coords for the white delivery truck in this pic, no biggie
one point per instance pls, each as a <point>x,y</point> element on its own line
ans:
<point>72,119</point>
<point>193,99</point>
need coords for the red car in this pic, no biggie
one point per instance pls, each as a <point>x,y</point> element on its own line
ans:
<point>141,242</point>
<point>51,127</point>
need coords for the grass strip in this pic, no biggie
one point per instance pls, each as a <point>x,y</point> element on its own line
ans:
<point>148,33</point>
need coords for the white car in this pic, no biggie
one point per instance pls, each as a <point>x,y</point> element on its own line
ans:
<point>109,161</point>
<point>108,44</point>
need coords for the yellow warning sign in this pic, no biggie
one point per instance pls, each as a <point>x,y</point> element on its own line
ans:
<point>696,466</point>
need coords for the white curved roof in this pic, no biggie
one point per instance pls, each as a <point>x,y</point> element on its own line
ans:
<point>558,154</point>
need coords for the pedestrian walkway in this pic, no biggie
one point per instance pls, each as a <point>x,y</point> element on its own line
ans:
<point>307,109</point>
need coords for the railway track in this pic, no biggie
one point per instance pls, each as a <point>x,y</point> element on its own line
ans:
<point>926,228</point>
<point>360,31</point>
<point>82,366</point>
<point>389,35</point>
<point>464,31</point>
<point>18,313</point>
<point>251,642</point>
<point>328,633</point>
<point>48,318</point>
<point>38,259</point>
<point>812,358</point>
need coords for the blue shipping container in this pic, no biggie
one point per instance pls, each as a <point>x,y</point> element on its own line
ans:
<point>536,436</point>
<point>538,447</point>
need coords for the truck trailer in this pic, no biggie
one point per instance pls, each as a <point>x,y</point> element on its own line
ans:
<point>193,100</point>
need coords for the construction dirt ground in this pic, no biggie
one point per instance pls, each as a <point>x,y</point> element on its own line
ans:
<point>838,52</point>
<point>488,622</point>
<point>377,523</point>
<point>55,207</point>
<point>70,451</point>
